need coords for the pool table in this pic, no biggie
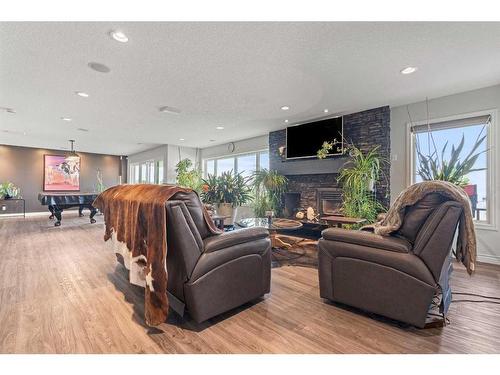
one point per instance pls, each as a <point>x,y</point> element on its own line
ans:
<point>58,202</point>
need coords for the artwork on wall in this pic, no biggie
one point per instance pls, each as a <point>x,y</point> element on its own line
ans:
<point>61,173</point>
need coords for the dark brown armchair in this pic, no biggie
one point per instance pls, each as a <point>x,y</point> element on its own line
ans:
<point>209,274</point>
<point>395,276</point>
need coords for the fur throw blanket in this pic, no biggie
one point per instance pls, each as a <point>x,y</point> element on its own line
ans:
<point>466,242</point>
<point>135,215</point>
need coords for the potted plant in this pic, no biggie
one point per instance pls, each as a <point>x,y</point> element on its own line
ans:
<point>269,187</point>
<point>227,192</point>
<point>8,190</point>
<point>188,176</point>
<point>358,178</point>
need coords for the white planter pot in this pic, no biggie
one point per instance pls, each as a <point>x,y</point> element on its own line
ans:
<point>226,209</point>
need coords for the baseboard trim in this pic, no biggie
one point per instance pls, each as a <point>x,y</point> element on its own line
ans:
<point>492,259</point>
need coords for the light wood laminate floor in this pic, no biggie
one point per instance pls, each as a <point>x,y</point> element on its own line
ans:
<point>61,291</point>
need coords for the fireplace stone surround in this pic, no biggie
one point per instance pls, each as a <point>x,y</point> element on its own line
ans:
<point>309,177</point>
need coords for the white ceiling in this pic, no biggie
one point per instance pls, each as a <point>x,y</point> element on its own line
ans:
<point>235,75</point>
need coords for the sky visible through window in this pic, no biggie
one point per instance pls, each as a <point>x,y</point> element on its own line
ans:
<point>454,136</point>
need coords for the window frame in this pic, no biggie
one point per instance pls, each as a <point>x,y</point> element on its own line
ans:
<point>491,157</point>
<point>235,157</point>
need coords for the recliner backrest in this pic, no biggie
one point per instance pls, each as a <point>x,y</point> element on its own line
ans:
<point>195,208</point>
<point>435,237</point>
<point>416,215</point>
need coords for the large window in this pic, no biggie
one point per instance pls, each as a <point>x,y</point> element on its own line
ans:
<point>446,135</point>
<point>148,172</point>
<point>247,164</point>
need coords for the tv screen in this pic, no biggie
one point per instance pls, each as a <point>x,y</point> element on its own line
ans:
<point>304,141</point>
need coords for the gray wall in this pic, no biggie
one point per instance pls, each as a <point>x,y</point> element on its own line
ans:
<point>459,104</point>
<point>23,166</point>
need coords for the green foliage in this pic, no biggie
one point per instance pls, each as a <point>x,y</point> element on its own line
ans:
<point>188,176</point>
<point>454,170</point>
<point>9,190</point>
<point>99,187</point>
<point>269,187</point>
<point>325,149</point>
<point>357,176</point>
<point>229,187</point>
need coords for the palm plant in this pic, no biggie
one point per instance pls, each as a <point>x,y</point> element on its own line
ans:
<point>454,170</point>
<point>269,187</point>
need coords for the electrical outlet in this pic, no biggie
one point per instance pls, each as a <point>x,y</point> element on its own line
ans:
<point>4,208</point>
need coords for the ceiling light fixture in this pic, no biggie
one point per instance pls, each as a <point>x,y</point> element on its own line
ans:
<point>72,156</point>
<point>409,70</point>
<point>82,129</point>
<point>167,109</point>
<point>181,139</point>
<point>98,67</point>
<point>82,94</point>
<point>68,119</point>
<point>119,36</point>
<point>219,127</point>
<point>285,108</point>
<point>325,110</point>
<point>286,121</point>
<point>8,110</point>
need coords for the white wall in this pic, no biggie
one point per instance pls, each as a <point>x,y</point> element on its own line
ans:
<point>468,102</point>
<point>241,147</point>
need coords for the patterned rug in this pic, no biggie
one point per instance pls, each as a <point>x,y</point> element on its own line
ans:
<point>302,253</point>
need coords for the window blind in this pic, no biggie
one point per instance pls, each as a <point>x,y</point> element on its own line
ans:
<point>469,121</point>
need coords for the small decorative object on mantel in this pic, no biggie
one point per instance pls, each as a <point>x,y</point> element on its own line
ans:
<point>282,151</point>
<point>300,215</point>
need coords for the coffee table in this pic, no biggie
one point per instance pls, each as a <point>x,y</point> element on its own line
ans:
<point>339,220</point>
<point>272,226</point>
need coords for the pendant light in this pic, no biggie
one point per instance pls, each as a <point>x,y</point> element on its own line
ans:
<point>72,156</point>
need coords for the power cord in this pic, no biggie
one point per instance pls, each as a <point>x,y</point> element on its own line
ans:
<point>476,295</point>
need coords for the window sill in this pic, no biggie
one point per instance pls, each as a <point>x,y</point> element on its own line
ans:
<point>485,226</point>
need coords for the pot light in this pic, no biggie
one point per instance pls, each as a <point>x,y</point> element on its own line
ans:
<point>219,127</point>
<point>325,110</point>
<point>181,139</point>
<point>8,110</point>
<point>68,119</point>
<point>285,108</point>
<point>82,94</point>
<point>286,121</point>
<point>119,36</point>
<point>409,70</point>
<point>211,140</point>
<point>167,109</point>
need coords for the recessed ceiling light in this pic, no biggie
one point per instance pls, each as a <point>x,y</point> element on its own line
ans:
<point>409,70</point>
<point>98,67</point>
<point>325,110</point>
<point>82,94</point>
<point>181,139</point>
<point>286,121</point>
<point>219,127</point>
<point>167,109</point>
<point>82,129</point>
<point>119,36</point>
<point>211,140</point>
<point>285,108</point>
<point>66,119</point>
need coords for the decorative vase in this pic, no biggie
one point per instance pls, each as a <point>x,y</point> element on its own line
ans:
<point>227,209</point>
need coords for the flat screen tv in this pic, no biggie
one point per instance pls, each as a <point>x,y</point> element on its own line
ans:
<point>304,141</point>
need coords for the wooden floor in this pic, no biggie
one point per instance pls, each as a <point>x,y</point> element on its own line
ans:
<point>61,291</point>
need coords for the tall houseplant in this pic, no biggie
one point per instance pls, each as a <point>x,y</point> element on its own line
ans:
<point>269,187</point>
<point>188,176</point>
<point>358,178</point>
<point>227,192</point>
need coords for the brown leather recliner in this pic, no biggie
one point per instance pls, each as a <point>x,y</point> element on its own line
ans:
<point>210,274</point>
<point>395,276</point>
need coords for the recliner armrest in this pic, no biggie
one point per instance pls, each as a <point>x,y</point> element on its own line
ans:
<point>227,239</point>
<point>368,239</point>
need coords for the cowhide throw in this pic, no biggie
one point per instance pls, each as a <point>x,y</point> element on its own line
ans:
<point>135,216</point>
<point>466,243</point>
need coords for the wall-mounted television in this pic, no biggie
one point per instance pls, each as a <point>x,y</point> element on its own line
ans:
<point>304,140</point>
